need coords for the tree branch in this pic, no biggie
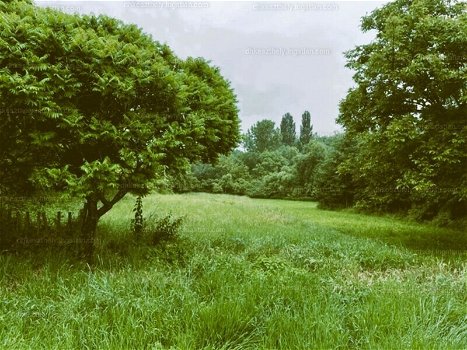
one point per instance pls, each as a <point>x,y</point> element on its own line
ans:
<point>107,205</point>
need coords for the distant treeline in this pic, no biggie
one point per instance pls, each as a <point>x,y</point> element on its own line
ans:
<point>272,163</point>
<point>334,170</point>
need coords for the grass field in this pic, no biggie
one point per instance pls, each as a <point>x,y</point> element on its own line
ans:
<point>248,274</point>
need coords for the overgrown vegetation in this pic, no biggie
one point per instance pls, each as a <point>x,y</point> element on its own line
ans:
<point>165,229</point>
<point>245,274</point>
<point>94,109</point>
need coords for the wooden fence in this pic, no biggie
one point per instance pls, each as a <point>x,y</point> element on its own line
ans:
<point>20,221</point>
<point>32,228</point>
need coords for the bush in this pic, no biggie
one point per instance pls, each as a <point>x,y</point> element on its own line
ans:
<point>170,247</point>
<point>166,229</point>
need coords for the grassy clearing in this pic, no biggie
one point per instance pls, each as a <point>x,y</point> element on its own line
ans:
<point>249,274</point>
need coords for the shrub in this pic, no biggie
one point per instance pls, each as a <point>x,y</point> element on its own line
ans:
<point>138,221</point>
<point>170,247</point>
<point>166,229</point>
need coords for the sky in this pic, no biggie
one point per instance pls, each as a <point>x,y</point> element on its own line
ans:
<point>279,56</point>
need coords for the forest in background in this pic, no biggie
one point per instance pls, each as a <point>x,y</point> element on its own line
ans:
<point>404,148</point>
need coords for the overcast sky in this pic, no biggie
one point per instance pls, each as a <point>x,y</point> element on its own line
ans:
<point>280,57</point>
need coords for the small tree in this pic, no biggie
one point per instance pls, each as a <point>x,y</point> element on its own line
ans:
<point>103,109</point>
<point>138,221</point>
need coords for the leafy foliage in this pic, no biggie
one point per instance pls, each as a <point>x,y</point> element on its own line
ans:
<point>107,105</point>
<point>410,102</point>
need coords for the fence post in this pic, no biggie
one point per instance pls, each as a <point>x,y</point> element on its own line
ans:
<point>82,214</point>
<point>27,221</point>
<point>38,222</point>
<point>17,222</point>
<point>44,220</point>
<point>9,216</point>
<point>58,222</point>
<point>69,222</point>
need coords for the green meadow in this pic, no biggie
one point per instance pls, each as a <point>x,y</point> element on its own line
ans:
<point>245,274</point>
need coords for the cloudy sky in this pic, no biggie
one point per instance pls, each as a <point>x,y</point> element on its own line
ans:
<point>279,56</point>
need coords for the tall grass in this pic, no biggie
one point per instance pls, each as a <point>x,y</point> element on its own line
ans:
<point>247,274</point>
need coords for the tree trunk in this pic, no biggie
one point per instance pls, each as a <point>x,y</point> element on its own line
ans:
<point>88,228</point>
<point>91,215</point>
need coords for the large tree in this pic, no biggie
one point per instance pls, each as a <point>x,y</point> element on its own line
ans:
<point>96,107</point>
<point>408,111</point>
<point>306,129</point>
<point>287,128</point>
<point>262,136</point>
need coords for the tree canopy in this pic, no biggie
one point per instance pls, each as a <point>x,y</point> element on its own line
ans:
<point>262,136</point>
